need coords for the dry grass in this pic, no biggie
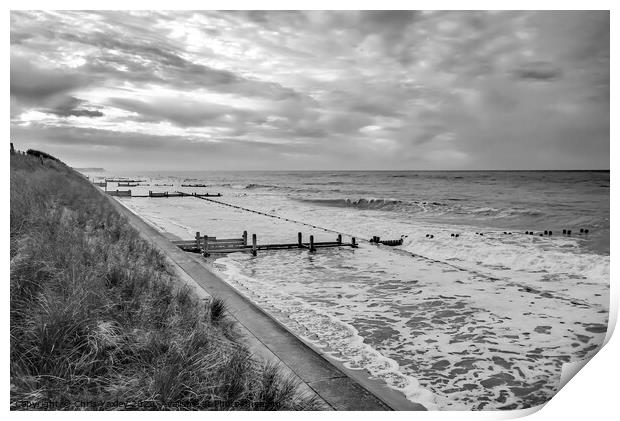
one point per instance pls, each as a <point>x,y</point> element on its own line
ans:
<point>95,316</point>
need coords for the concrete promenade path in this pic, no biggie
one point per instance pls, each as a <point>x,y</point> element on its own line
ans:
<point>338,387</point>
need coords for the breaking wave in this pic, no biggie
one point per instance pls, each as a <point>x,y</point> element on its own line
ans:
<point>361,203</point>
<point>261,186</point>
<point>389,204</point>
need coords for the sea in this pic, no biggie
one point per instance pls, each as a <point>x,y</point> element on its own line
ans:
<point>479,308</point>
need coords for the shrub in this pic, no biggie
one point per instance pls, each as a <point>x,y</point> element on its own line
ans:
<point>97,315</point>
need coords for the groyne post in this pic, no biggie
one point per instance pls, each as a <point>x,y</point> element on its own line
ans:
<point>312,243</point>
<point>198,239</point>
<point>245,238</point>
<point>339,239</point>
<point>353,243</point>
<point>254,245</point>
<point>299,243</point>
<point>205,246</point>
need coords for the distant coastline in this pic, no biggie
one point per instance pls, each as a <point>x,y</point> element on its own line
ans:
<point>95,169</point>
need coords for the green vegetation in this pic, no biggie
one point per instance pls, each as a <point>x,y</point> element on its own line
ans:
<point>97,316</point>
<point>40,154</point>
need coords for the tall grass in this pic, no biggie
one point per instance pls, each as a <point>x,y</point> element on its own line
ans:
<point>97,317</point>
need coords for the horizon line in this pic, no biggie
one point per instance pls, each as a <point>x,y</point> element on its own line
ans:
<point>349,170</point>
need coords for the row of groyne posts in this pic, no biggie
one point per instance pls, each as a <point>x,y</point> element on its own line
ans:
<point>211,245</point>
<point>127,193</point>
<point>134,183</point>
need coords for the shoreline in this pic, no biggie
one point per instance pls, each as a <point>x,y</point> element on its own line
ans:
<point>341,388</point>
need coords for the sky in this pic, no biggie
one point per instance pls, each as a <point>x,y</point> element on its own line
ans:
<point>313,90</point>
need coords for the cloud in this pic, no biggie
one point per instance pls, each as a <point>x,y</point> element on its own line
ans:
<point>70,106</point>
<point>33,83</point>
<point>156,61</point>
<point>185,112</point>
<point>79,113</point>
<point>140,151</point>
<point>376,89</point>
<point>538,70</point>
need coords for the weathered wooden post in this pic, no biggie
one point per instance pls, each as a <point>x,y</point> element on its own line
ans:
<point>312,243</point>
<point>254,247</point>
<point>353,243</point>
<point>12,149</point>
<point>299,243</point>
<point>245,238</point>
<point>339,239</point>
<point>198,239</point>
<point>150,193</point>
<point>166,194</point>
<point>205,246</point>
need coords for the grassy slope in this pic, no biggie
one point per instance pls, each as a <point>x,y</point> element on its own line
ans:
<point>96,316</point>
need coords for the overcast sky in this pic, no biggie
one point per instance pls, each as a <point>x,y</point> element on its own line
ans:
<point>313,90</point>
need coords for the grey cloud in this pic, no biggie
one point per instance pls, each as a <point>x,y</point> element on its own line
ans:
<point>345,122</point>
<point>454,81</point>
<point>19,37</point>
<point>391,23</point>
<point>76,112</point>
<point>186,113</point>
<point>275,19</point>
<point>127,50</point>
<point>119,150</point>
<point>33,83</point>
<point>146,62</point>
<point>538,70</point>
<point>72,136</point>
<point>72,106</point>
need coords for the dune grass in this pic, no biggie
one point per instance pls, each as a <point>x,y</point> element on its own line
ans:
<point>98,320</point>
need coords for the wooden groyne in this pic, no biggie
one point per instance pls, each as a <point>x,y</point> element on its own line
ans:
<point>100,183</point>
<point>123,180</point>
<point>120,193</point>
<point>177,194</point>
<point>182,194</point>
<point>211,245</point>
<point>282,218</point>
<point>122,184</point>
<point>377,240</point>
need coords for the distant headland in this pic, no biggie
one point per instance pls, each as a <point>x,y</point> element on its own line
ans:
<point>89,169</point>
